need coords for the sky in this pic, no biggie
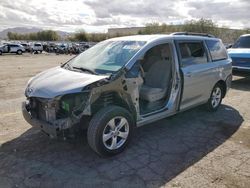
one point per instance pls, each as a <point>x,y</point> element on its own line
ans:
<point>99,15</point>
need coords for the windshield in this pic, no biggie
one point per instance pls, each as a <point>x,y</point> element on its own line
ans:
<point>106,57</point>
<point>242,42</point>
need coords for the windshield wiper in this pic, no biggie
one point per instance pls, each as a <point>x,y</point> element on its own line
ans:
<point>67,66</point>
<point>85,70</point>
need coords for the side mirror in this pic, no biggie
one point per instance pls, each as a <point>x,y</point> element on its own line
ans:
<point>229,46</point>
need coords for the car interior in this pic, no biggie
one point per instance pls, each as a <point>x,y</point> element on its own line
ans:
<point>192,53</point>
<point>157,74</point>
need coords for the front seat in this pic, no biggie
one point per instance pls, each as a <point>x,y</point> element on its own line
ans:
<point>157,79</point>
<point>152,56</point>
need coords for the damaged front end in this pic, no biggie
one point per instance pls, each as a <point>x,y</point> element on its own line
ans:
<point>53,116</point>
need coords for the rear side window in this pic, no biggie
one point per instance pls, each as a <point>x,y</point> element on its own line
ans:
<point>217,50</point>
<point>192,53</point>
<point>13,45</point>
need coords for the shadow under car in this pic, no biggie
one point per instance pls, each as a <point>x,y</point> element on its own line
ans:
<point>159,152</point>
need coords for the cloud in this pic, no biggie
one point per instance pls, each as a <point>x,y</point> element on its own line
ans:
<point>149,8</point>
<point>128,12</point>
<point>48,14</point>
<point>233,13</point>
<point>98,15</point>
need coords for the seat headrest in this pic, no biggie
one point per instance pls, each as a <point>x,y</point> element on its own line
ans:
<point>165,53</point>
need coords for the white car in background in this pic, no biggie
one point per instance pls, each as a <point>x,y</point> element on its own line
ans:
<point>37,47</point>
<point>26,46</point>
<point>12,48</point>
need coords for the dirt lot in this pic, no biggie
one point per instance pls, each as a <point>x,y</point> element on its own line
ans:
<point>192,149</point>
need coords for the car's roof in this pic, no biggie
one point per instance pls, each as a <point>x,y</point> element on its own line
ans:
<point>245,35</point>
<point>149,38</point>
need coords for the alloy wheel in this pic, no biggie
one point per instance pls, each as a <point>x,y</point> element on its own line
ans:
<point>115,133</point>
<point>216,97</point>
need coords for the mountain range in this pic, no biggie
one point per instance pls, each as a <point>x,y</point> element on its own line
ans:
<point>24,30</point>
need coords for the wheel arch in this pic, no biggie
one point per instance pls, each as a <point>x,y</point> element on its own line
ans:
<point>223,85</point>
<point>113,98</point>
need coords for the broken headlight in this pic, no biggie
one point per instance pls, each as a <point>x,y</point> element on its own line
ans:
<point>72,103</point>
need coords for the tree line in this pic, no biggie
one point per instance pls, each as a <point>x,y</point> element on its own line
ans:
<point>81,35</point>
<point>198,26</point>
<point>46,35</point>
<point>50,35</point>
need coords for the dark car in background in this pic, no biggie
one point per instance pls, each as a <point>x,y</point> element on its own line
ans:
<point>61,48</point>
<point>240,54</point>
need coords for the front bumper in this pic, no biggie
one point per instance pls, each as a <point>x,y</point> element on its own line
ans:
<point>241,71</point>
<point>51,130</point>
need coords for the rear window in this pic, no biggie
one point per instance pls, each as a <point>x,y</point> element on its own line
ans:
<point>38,45</point>
<point>217,50</point>
<point>192,53</point>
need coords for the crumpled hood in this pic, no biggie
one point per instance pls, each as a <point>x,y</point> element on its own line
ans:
<point>59,81</point>
<point>239,52</point>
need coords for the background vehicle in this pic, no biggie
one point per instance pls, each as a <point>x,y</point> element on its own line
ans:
<point>37,47</point>
<point>12,48</point>
<point>26,46</point>
<point>61,49</point>
<point>240,54</point>
<point>50,47</point>
<point>122,83</point>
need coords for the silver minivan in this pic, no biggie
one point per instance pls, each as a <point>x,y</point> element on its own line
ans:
<point>122,83</point>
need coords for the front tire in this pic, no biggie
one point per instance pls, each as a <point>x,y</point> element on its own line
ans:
<point>19,52</point>
<point>1,53</point>
<point>215,99</point>
<point>110,130</point>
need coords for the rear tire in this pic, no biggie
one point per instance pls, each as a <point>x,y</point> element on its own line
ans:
<point>1,53</point>
<point>110,130</point>
<point>215,99</point>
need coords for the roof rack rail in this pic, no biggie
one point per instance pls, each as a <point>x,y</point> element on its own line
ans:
<point>194,34</point>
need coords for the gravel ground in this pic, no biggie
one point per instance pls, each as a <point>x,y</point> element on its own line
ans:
<point>191,149</point>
